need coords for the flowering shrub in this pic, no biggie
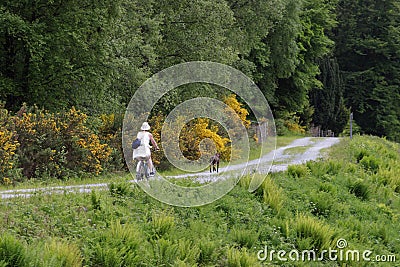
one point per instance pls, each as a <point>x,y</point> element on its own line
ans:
<point>242,112</point>
<point>8,147</point>
<point>295,127</point>
<point>191,138</point>
<point>156,123</point>
<point>196,131</point>
<point>289,124</point>
<point>54,144</point>
<point>110,133</point>
<point>94,153</point>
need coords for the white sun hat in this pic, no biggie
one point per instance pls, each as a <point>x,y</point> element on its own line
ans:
<point>145,126</point>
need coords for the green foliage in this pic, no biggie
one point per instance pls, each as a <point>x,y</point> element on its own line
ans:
<point>12,251</point>
<point>319,169</point>
<point>328,101</point>
<point>281,129</point>
<point>162,223</point>
<point>298,171</point>
<point>195,31</point>
<point>120,245</point>
<point>241,258</point>
<point>119,189</point>
<point>356,129</point>
<point>244,238</point>
<point>361,154</point>
<point>321,203</point>
<point>59,253</point>
<point>56,55</point>
<point>95,200</point>
<point>312,233</point>
<point>272,194</point>
<point>94,55</point>
<point>165,252</point>
<point>188,251</point>
<point>208,251</point>
<point>367,49</point>
<point>286,60</point>
<point>133,229</point>
<point>370,163</point>
<point>360,189</point>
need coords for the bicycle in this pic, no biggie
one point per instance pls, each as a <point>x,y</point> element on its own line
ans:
<point>142,168</point>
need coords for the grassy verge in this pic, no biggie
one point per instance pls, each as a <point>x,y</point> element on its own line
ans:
<point>354,195</point>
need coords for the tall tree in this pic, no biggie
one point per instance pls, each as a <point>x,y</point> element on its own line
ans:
<point>132,44</point>
<point>254,20</point>
<point>191,31</point>
<point>276,57</point>
<point>368,51</point>
<point>295,44</point>
<point>328,101</point>
<point>195,30</point>
<point>54,53</point>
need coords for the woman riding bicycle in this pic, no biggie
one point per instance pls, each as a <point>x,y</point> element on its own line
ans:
<point>143,151</point>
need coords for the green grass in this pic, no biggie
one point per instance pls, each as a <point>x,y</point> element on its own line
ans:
<point>296,150</point>
<point>310,208</point>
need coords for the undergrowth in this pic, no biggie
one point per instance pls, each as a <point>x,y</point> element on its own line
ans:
<point>353,196</point>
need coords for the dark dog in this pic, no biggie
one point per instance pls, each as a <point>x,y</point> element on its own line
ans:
<point>214,163</point>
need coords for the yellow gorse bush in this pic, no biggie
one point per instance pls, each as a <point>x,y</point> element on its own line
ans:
<point>196,131</point>
<point>56,144</point>
<point>242,112</point>
<point>156,123</point>
<point>293,125</point>
<point>107,122</point>
<point>8,146</point>
<point>96,153</point>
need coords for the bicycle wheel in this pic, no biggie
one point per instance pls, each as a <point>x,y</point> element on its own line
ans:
<point>140,172</point>
<point>146,170</point>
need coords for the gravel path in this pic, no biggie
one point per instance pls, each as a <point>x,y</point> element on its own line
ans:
<point>312,145</point>
<point>279,159</point>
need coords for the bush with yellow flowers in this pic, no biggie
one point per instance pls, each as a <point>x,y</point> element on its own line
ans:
<point>238,108</point>
<point>109,132</point>
<point>191,138</point>
<point>200,129</point>
<point>293,125</point>
<point>58,144</point>
<point>158,157</point>
<point>8,147</point>
<point>42,144</point>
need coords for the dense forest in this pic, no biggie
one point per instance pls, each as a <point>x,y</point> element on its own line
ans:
<point>315,60</point>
